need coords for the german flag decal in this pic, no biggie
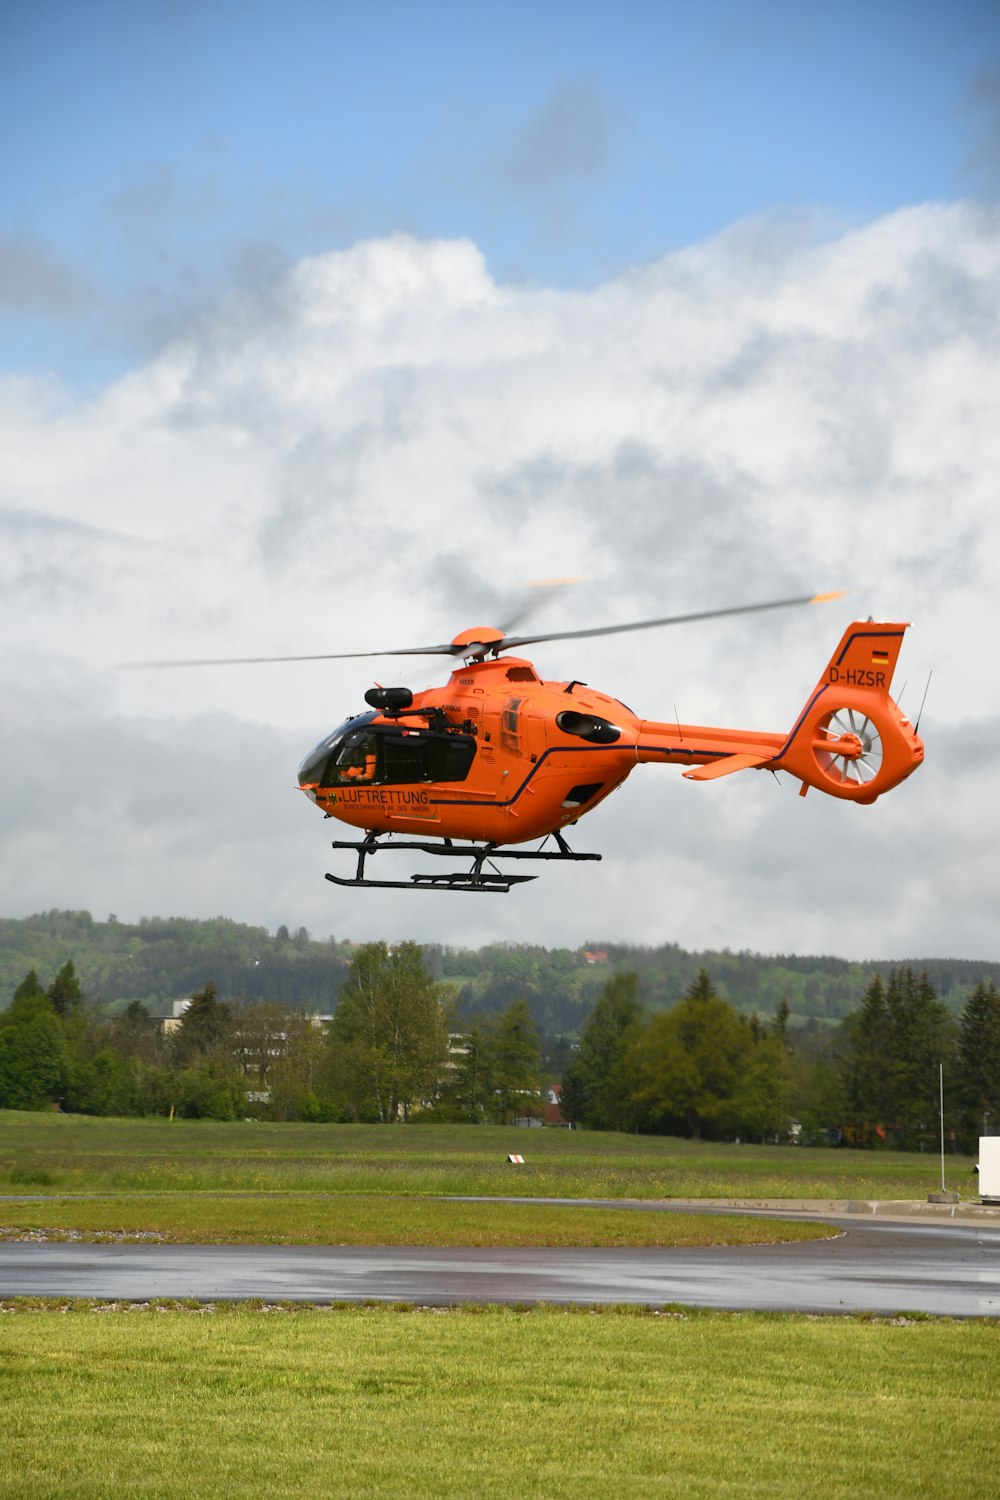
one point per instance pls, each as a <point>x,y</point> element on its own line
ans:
<point>880,658</point>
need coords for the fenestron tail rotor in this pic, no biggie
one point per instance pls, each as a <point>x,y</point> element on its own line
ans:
<point>482,641</point>
<point>848,747</point>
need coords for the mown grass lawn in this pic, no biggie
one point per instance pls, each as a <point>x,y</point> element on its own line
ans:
<point>242,1403</point>
<point>281,1219</point>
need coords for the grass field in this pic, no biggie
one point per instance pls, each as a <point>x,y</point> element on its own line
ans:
<point>314,1219</point>
<point>243,1403</point>
<point>205,1181</point>
<point>72,1153</point>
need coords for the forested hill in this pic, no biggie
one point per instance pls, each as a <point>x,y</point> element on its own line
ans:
<point>159,959</point>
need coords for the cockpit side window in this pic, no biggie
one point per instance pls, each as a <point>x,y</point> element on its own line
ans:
<point>415,755</point>
<point>404,756</point>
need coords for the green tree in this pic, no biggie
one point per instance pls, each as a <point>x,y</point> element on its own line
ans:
<point>34,1059</point>
<point>517,1088</point>
<point>762,1102</point>
<point>780,1023</point>
<point>67,1001</point>
<point>389,1036</point>
<point>64,991</point>
<point>471,1087</point>
<point>28,989</point>
<point>924,1034</point>
<point>495,1068</point>
<point>979,1062</point>
<point>137,1034</point>
<point>206,1030</point>
<point>260,1038</point>
<point>601,1076</point>
<point>690,1063</point>
<point>100,1085</point>
<point>867,1039</point>
<point>819,1098</point>
<point>575,1096</point>
<point>296,1077</point>
<point>894,1046</point>
<point>208,1091</point>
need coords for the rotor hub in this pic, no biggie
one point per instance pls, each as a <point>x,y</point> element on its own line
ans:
<point>847,747</point>
<point>478,641</point>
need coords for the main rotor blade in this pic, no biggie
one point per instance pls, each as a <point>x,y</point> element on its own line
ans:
<point>507,643</point>
<point>511,642</point>
<point>255,661</point>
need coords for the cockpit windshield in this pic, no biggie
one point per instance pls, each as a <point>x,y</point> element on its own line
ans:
<point>345,740</point>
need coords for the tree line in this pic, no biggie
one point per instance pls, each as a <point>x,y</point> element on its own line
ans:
<point>158,958</point>
<point>397,1049</point>
<point>388,1054</point>
<point>705,1069</point>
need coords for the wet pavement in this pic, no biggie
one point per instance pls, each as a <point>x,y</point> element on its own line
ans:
<point>872,1266</point>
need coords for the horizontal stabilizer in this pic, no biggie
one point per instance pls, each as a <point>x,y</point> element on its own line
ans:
<point>725,766</point>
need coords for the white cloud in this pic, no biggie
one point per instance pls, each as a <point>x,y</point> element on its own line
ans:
<point>383,447</point>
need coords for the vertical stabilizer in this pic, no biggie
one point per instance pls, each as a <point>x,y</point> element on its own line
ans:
<point>866,657</point>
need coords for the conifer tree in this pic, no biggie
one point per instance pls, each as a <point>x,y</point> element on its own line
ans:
<point>574,1094</point>
<point>518,1062</point>
<point>471,1085</point>
<point>64,991</point>
<point>979,1062</point>
<point>206,1028</point>
<point>780,1023</point>
<point>867,1049</point>
<point>923,1041</point>
<point>29,989</point>
<point>600,1074</point>
<point>34,1061</point>
<point>894,1047</point>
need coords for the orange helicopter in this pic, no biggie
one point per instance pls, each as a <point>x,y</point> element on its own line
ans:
<point>499,758</point>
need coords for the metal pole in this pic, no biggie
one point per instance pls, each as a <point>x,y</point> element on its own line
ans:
<point>941,1078</point>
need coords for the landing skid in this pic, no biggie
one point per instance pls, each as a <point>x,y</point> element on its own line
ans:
<point>475,879</point>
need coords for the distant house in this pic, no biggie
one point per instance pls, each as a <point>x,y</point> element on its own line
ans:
<point>597,956</point>
<point>172,1022</point>
<point>551,1113</point>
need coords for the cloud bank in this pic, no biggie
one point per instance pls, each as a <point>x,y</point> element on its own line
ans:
<point>381,445</point>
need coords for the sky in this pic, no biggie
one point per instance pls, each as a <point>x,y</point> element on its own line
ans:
<point>326,327</point>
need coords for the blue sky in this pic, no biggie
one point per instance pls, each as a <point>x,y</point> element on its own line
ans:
<point>157,154</point>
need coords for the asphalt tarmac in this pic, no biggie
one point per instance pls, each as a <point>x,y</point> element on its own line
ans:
<point>942,1267</point>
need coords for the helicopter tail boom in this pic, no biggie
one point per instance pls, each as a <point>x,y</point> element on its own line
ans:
<point>850,740</point>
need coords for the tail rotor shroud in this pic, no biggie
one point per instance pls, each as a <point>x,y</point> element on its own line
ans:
<point>847,748</point>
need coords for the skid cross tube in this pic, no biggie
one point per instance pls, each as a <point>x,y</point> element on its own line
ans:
<point>475,879</point>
